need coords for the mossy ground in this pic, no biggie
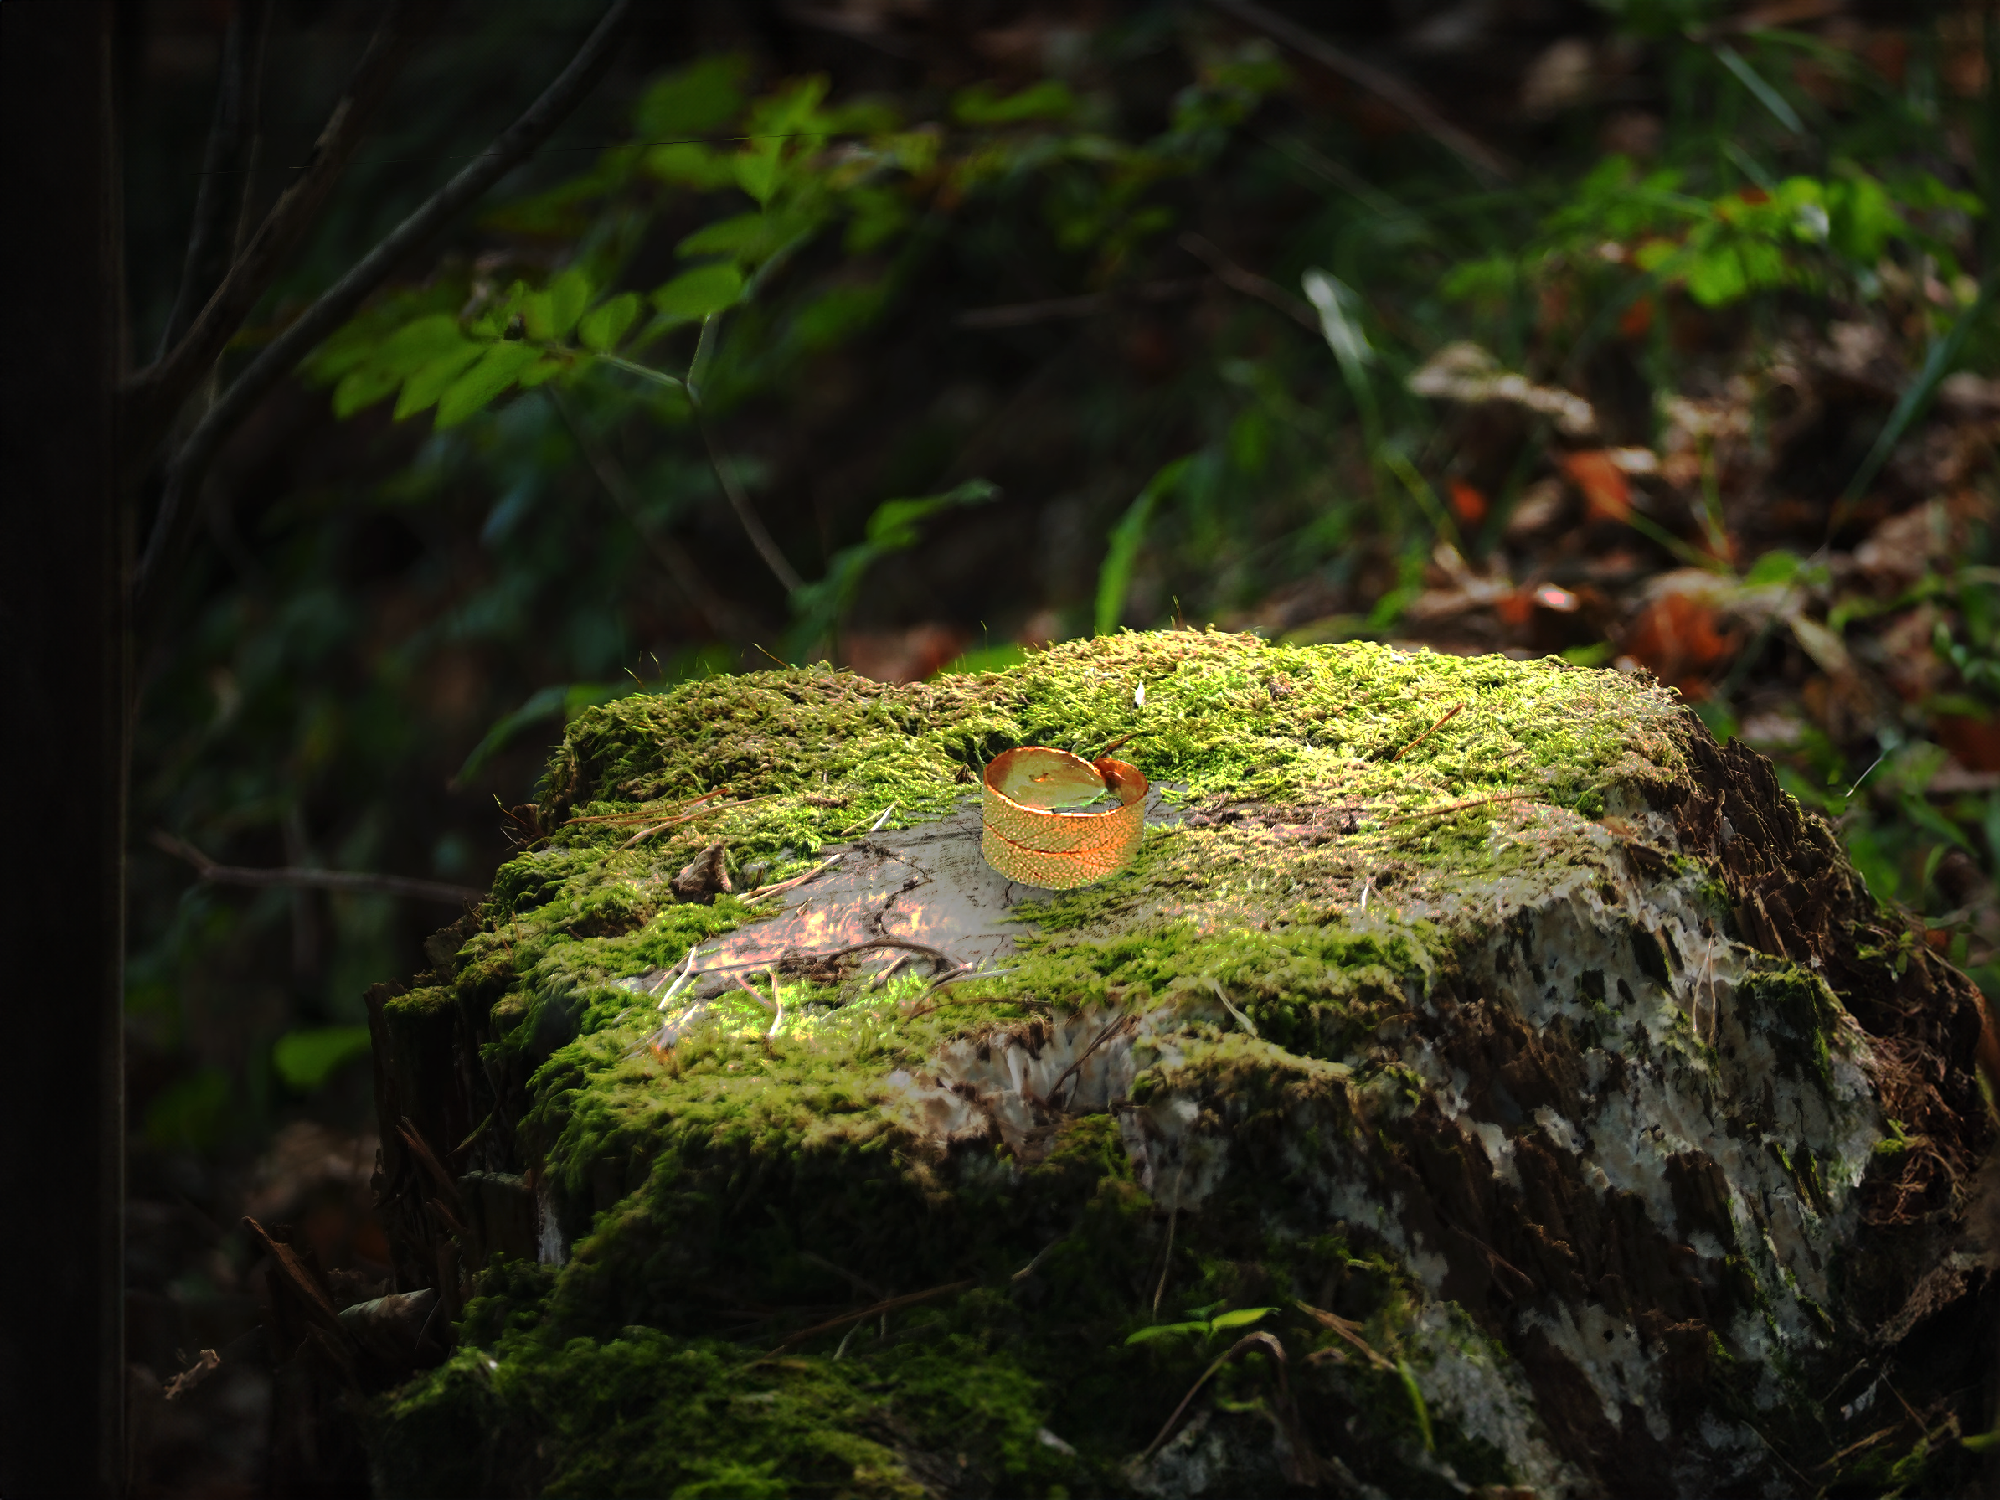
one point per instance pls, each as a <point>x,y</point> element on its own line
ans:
<point>1342,851</point>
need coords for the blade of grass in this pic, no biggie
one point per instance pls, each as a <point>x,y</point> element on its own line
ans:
<point>1114,578</point>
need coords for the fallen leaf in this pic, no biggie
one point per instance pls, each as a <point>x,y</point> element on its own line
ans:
<point>1637,320</point>
<point>1468,502</point>
<point>1677,636</point>
<point>1606,492</point>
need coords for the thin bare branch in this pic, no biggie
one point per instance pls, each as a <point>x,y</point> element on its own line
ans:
<point>340,301</point>
<point>1021,314</point>
<point>887,1305</point>
<point>746,513</point>
<point>722,617</point>
<point>354,882</point>
<point>1486,163</point>
<point>1249,282</point>
<point>152,396</point>
<point>225,167</point>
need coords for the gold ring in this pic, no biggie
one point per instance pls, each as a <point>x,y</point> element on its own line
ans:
<point>1027,838</point>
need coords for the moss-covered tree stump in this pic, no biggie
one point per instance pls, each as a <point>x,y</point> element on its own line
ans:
<point>1532,1098</point>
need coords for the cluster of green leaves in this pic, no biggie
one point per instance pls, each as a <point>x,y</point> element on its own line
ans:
<point>1200,1325</point>
<point>1806,232</point>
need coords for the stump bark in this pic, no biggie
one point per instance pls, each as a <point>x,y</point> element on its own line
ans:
<point>1479,1081</point>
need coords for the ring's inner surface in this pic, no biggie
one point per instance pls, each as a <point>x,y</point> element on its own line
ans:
<point>1050,779</point>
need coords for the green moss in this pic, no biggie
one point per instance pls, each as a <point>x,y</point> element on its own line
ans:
<point>1224,716</point>
<point>734,1187</point>
<point>1795,1005</point>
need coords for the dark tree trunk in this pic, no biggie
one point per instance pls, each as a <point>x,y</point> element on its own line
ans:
<point>62,641</point>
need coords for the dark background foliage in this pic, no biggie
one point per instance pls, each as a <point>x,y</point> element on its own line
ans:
<point>1184,294</point>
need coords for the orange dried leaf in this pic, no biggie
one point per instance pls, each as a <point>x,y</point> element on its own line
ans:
<point>1607,493</point>
<point>1468,502</point>
<point>1676,636</point>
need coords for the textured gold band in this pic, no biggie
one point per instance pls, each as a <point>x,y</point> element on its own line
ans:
<point>1037,845</point>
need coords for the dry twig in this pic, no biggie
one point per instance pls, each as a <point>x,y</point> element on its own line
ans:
<point>1486,163</point>
<point>293,878</point>
<point>1450,714</point>
<point>880,1309</point>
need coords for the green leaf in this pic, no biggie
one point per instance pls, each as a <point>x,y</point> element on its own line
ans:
<point>893,524</point>
<point>701,292</point>
<point>759,170</point>
<point>690,164</point>
<point>542,371</point>
<point>564,700</point>
<point>191,1112</point>
<point>538,316</point>
<point>1047,100</point>
<point>363,387</point>
<point>1777,566</point>
<point>892,528</point>
<point>1165,1330</point>
<point>1417,1408</point>
<point>1114,578</point>
<point>306,1059</point>
<point>692,100</point>
<point>1864,220</point>
<point>427,384</point>
<point>838,312</point>
<point>497,369</point>
<point>1237,1319</point>
<point>743,237</point>
<point>569,294</point>
<point>1717,276</point>
<point>416,344</point>
<point>1780,108</point>
<point>604,325</point>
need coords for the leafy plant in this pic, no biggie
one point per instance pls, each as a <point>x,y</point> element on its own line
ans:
<point>1202,1328</point>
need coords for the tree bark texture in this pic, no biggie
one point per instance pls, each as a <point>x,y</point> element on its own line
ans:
<point>62,652</point>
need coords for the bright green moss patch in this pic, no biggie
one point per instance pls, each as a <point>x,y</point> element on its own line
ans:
<point>825,753</point>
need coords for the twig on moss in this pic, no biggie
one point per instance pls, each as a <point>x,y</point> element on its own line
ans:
<point>645,833</point>
<point>1117,1028</point>
<point>937,984</point>
<point>944,961</point>
<point>1249,1340</point>
<point>1036,1264</point>
<point>1348,1331</point>
<point>1118,743</point>
<point>1452,807</point>
<point>880,1309</point>
<point>355,882</point>
<point>1167,1260</point>
<point>874,827</point>
<point>1450,714</point>
<point>640,817</point>
<point>755,994</point>
<point>680,980</point>
<point>786,885</point>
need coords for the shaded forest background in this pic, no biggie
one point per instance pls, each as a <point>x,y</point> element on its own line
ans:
<point>1657,334</point>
